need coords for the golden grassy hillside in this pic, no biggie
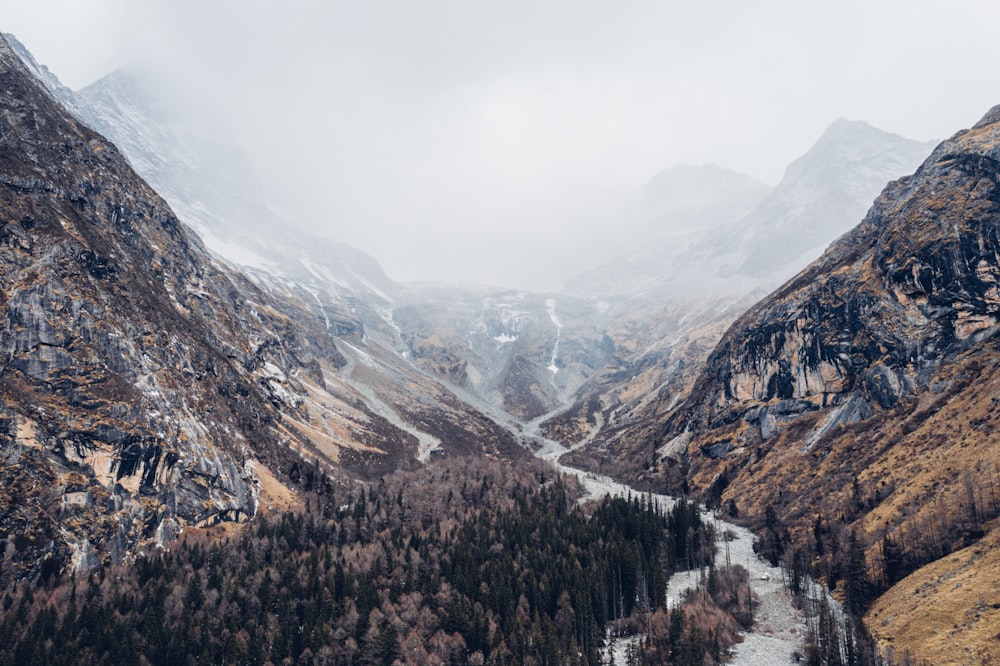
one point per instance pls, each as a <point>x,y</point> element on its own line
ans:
<point>947,612</point>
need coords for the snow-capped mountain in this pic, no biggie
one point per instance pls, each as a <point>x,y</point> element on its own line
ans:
<point>214,189</point>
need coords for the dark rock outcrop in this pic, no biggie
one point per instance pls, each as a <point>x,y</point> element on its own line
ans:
<point>139,379</point>
<point>913,285</point>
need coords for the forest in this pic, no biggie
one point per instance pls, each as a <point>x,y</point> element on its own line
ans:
<point>460,562</point>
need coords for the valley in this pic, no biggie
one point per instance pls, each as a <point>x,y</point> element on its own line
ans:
<point>766,377</point>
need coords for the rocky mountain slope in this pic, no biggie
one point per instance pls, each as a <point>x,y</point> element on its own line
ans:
<point>146,386</point>
<point>141,382</point>
<point>911,287</point>
<point>859,398</point>
<point>690,292</point>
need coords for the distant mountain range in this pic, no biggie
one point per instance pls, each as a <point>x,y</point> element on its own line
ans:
<point>732,235</point>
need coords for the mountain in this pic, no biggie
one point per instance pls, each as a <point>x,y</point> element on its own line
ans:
<point>731,251</point>
<point>857,403</point>
<point>147,387</point>
<point>697,288</point>
<point>143,385</point>
<point>821,196</point>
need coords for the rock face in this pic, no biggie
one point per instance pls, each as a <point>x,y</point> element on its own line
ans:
<point>864,326</point>
<point>862,395</point>
<point>141,382</point>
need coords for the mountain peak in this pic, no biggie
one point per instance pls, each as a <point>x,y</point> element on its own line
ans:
<point>844,124</point>
<point>854,140</point>
<point>823,193</point>
<point>992,117</point>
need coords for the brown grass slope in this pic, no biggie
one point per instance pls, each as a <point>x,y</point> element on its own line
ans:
<point>861,396</point>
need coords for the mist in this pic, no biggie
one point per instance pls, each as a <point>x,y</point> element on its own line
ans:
<point>489,143</point>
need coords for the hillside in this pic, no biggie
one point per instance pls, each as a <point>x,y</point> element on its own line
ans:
<point>142,382</point>
<point>856,402</point>
<point>147,387</point>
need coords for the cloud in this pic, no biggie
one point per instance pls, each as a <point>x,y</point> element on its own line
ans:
<point>423,132</point>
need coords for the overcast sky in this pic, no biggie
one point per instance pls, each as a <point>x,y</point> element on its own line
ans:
<point>430,132</point>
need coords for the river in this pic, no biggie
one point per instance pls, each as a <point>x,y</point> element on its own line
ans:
<point>779,628</point>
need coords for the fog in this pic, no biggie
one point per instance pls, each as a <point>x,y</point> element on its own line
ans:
<point>480,142</point>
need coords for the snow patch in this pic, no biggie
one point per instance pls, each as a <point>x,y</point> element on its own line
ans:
<point>550,305</point>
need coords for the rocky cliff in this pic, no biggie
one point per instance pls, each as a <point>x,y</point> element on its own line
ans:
<point>144,387</point>
<point>857,402</point>
<point>867,324</point>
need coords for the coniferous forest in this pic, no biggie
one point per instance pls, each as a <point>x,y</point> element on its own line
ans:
<point>461,562</point>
